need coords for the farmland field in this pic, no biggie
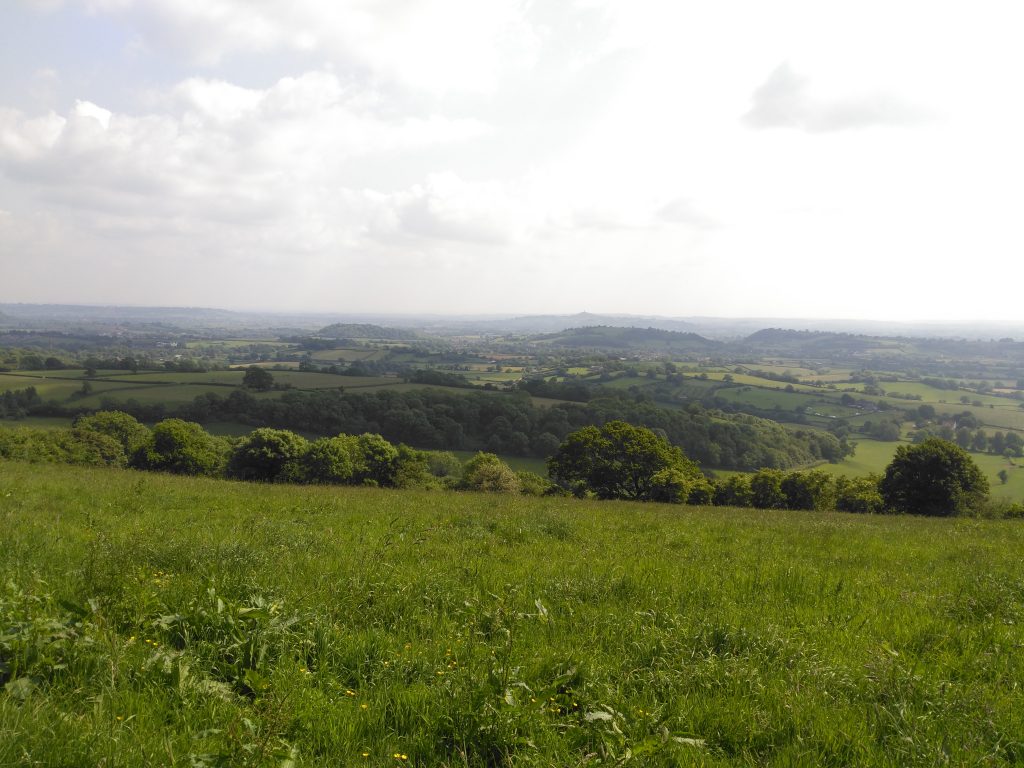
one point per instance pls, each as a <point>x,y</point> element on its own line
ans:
<point>155,620</point>
<point>875,455</point>
<point>57,388</point>
<point>347,355</point>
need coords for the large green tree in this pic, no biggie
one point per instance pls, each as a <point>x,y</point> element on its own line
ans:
<point>181,447</point>
<point>126,429</point>
<point>258,378</point>
<point>935,477</point>
<point>268,455</point>
<point>620,461</point>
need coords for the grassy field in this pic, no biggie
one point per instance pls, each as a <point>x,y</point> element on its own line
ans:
<point>54,387</point>
<point>348,355</point>
<point>153,620</point>
<point>875,455</point>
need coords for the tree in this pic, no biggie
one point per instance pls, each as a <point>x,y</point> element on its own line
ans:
<point>812,489</point>
<point>124,428</point>
<point>412,469</point>
<point>329,460</point>
<point>935,477</point>
<point>258,378</point>
<point>766,490</point>
<point>620,461</point>
<point>181,447</point>
<point>376,461</point>
<point>268,455</point>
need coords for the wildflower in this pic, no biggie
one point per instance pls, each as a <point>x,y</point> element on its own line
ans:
<point>364,706</point>
<point>366,754</point>
<point>349,692</point>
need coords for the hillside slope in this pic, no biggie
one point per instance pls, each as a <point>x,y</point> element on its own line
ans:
<point>150,619</point>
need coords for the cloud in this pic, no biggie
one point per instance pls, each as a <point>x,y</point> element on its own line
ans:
<point>680,210</point>
<point>439,46</point>
<point>785,100</point>
<point>249,174</point>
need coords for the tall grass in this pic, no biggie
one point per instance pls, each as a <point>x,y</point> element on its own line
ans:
<point>147,619</point>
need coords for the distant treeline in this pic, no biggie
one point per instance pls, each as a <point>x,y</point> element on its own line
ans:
<point>502,424</point>
<point>618,461</point>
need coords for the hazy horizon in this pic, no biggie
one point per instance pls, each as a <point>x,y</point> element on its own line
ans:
<point>716,322</point>
<point>447,157</point>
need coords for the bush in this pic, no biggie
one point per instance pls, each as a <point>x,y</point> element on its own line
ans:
<point>533,484</point>
<point>859,494</point>
<point>181,447</point>
<point>268,455</point>
<point>412,469</point>
<point>124,428</point>
<point>487,472</point>
<point>936,478</point>
<point>444,464</point>
<point>766,489</point>
<point>732,492</point>
<point>812,489</point>
<point>329,460</point>
<point>376,461</point>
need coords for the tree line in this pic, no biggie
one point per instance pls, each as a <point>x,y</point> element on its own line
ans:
<point>117,439</point>
<point>614,461</point>
<point>502,424</point>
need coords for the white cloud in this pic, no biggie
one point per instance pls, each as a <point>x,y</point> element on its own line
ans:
<point>547,154</point>
<point>86,109</point>
<point>785,100</point>
<point>436,45</point>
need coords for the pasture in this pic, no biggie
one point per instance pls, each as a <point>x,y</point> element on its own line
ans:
<point>155,620</point>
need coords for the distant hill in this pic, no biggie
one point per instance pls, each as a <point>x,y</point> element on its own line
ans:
<point>630,339</point>
<point>364,331</point>
<point>811,342</point>
<point>555,323</point>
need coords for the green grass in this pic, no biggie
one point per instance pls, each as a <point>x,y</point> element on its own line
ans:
<point>152,394</point>
<point>870,456</point>
<point>56,388</point>
<point>875,455</point>
<point>347,355</point>
<point>765,398</point>
<point>153,620</point>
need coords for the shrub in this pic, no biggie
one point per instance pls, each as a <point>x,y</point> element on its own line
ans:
<point>181,447</point>
<point>732,492</point>
<point>487,472</point>
<point>812,489</point>
<point>328,460</point>
<point>268,455</point>
<point>123,427</point>
<point>858,494</point>
<point>766,489</point>
<point>935,477</point>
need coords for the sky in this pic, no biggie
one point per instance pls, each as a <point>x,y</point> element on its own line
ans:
<point>734,159</point>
